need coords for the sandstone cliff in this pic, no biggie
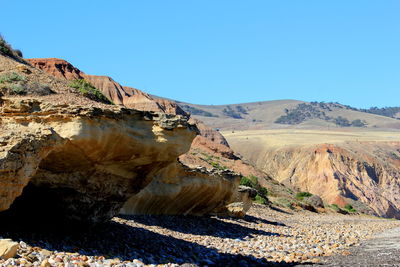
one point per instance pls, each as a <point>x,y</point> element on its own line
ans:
<point>209,149</point>
<point>88,161</point>
<point>83,161</point>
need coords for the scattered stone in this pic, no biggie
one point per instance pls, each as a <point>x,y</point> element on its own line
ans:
<point>264,236</point>
<point>8,248</point>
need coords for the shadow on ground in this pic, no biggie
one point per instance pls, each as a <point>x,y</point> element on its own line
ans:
<point>118,240</point>
<point>210,226</point>
<point>253,219</point>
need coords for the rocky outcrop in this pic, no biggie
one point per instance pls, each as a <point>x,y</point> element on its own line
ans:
<point>242,202</point>
<point>57,67</point>
<point>363,174</point>
<point>84,163</point>
<point>209,143</point>
<point>212,135</point>
<point>182,190</point>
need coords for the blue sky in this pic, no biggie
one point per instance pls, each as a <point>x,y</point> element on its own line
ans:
<point>220,52</point>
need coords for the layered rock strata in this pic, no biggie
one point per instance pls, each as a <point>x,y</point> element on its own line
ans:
<point>182,190</point>
<point>85,163</point>
<point>166,194</point>
<point>365,175</point>
<point>118,94</point>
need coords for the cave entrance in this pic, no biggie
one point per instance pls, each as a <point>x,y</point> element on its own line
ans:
<point>70,189</point>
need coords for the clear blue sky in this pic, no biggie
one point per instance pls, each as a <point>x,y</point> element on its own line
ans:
<point>219,52</point>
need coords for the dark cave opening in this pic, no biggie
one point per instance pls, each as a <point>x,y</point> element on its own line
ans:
<point>47,208</point>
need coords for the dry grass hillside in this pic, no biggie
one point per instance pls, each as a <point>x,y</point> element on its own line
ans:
<point>290,113</point>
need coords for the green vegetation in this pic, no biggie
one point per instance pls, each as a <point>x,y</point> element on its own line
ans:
<point>218,166</point>
<point>343,122</point>
<point>358,123</point>
<point>301,195</point>
<point>394,156</point>
<point>234,113</point>
<point>16,84</point>
<point>335,207</point>
<point>346,209</point>
<point>312,110</point>
<point>213,161</point>
<point>262,192</point>
<point>316,110</point>
<point>89,91</point>
<point>391,112</point>
<point>7,50</point>
<point>13,83</point>
<point>247,182</point>
<point>260,200</point>
<point>303,112</point>
<point>349,208</point>
<point>12,78</point>
<point>241,109</point>
<point>197,111</point>
<point>18,89</point>
<point>285,203</point>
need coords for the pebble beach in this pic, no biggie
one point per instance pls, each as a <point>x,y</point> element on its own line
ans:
<point>266,236</point>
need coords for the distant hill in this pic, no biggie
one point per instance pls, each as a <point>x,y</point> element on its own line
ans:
<point>292,114</point>
<point>393,112</point>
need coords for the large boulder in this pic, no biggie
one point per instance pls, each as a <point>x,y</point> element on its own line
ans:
<point>242,201</point>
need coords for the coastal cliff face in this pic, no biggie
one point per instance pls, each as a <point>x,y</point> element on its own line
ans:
<point>81,160</point>
<point>363,174</point>
<point>165,194</point>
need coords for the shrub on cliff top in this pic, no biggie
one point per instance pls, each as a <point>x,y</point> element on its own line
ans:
<point>7,50</point>
<point>12,78</point>
<point>89,91</point>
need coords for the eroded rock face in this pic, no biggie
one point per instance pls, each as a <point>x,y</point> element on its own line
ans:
<point>178,189</point>
<point>57,67</point>
<point>354,172</point>
<point>118,94</point>
<point>86,161</point>
<point>194,192</point>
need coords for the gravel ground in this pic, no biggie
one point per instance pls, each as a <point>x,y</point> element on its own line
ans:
<point>382,250</point>
<point>265,237</point>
